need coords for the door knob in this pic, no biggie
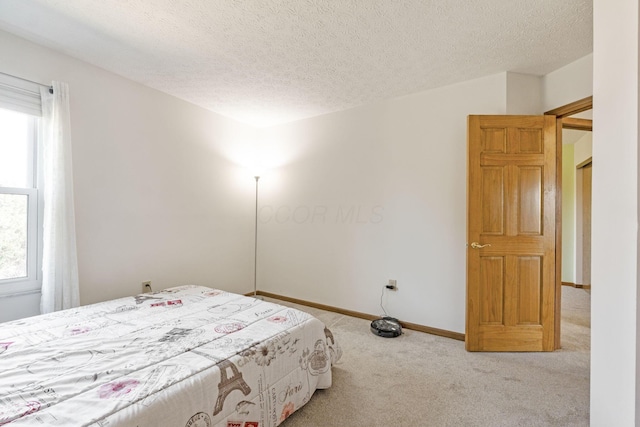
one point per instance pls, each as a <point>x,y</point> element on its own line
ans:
<point>476,245</point>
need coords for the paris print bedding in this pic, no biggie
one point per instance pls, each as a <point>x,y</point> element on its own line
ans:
<point>188,356</point>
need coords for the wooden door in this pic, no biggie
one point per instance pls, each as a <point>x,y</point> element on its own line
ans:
<point>511,225</point>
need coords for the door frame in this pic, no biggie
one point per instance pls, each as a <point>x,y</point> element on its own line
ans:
<point>564,121</point>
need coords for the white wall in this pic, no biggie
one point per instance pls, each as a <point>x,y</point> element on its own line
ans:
<point>156,198</point>
<point>614,316</point>
<point>379,193</point>
<point>19,306</point>
<point>524,94</point>
<point>568,84</point>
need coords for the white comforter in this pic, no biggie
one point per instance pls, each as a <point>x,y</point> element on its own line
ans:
<point>188,356</point>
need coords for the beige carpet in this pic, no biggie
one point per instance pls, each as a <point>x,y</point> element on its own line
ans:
<point>424,380</point>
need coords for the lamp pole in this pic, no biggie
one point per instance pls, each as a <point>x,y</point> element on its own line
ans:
<point>255,246</point>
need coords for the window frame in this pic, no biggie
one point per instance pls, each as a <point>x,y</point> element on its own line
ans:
<point>32,283</point>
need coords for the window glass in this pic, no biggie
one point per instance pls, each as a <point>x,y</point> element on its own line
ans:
<point>15,165</point>
<point>13,236</point>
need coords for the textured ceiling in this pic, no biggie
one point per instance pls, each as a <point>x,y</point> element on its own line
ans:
<point>271,61</point>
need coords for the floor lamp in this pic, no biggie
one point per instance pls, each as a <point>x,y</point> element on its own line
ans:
<point>255,247</point>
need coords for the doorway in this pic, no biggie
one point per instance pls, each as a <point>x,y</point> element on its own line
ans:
<point>575,116</point>
<point>576,240</point>
<point>576,206</point>
<point>576,229</point>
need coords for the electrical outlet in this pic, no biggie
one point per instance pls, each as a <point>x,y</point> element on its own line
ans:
<point>146,287</point>
<point>393,285</point>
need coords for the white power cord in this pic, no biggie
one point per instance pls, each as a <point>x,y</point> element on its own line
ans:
<point>381,306</point>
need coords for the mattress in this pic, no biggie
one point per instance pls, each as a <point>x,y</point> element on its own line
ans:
<point>187,356</point>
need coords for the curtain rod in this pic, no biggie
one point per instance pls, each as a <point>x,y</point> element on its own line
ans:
<point>27,80</point>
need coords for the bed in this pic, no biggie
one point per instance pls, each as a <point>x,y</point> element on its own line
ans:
<point>187,356</point>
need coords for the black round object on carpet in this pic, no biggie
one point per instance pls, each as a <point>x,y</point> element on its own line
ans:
<point>387,327</point>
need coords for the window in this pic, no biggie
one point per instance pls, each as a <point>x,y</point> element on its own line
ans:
<point>20,234</point>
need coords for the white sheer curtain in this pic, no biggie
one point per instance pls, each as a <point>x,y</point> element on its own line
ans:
<point>60,287</point>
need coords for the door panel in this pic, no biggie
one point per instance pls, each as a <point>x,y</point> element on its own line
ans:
<point>528,284</point>
<point>530,200</point>
<point>493,195</point>
<point>511,214</point>
<point>492,289</point>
